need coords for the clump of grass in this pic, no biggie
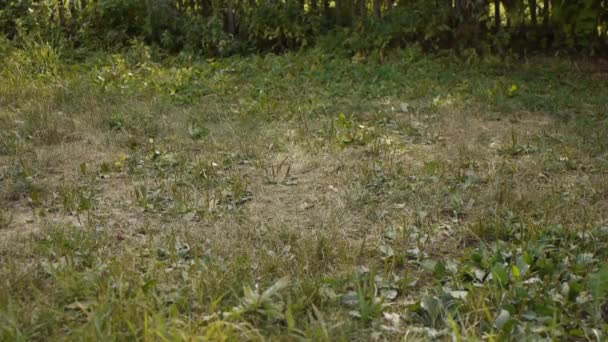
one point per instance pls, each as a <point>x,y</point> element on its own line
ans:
<point>9,143</point>
<point>6,218</point>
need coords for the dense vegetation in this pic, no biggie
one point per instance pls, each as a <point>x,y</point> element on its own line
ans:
<point>224,27</point>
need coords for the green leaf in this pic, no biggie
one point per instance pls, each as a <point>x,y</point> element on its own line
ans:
<point>389,294</point>
<point>503,317</point>
<point>513,90</point>
<point>429,264</point>
<point>437,267</point>
<point>387,251</point>
<point>150,284</point>
<point>598,283</point>
<point>459,294</point>
<point>350,298</point>
<point>432,306</point>
<point>499,273</point>
<point>515,272</point>
<point>274,289</point>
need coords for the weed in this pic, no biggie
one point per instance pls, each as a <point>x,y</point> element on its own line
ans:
<point>117,122</point>
<point>517,149</point>
<point>77,200</point>
<point>9,143</point>
<point>277,172</point>
<point>265,305</point>
<point>6,218</point>
<point>237,192</point>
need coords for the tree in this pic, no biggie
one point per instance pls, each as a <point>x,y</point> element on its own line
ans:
<point>497,14</point>
<point>533,11</point>
<point>230,27</point>
<point>377,9</point>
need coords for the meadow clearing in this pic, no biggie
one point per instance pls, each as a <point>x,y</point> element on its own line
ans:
<point>303,196</point>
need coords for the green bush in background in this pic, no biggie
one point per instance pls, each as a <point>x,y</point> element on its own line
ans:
<point>225,27</point>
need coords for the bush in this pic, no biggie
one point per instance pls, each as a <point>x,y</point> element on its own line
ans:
<point>36,58</point>
<point>25,17</point>
<point>280,26</point>
<point>5,47</point>
<point>112,23</point>
<point>223,27</point>
<point>405,25</point>
<point>576,23</point>
<point>206,35</point>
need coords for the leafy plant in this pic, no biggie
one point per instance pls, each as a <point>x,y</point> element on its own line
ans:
<point>281,25</point>
<point>9,142</point>
<point>266,305</point>
<point>6,218</point>
<point>277,172</point>
<point>367,301</point>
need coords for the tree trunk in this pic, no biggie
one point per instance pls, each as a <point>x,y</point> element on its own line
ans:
<point>83,4</point>
<point>497,14</point>
<point>72,6</point>
<point>546,12</point>
<point>339,9</point>
<point>363,8</point>
<point>390,4</point>
<point>229,16</point>
<point>61,9</point>
<point>377,9</point>
<point>326,8</point>
<point>206,7</point>
<point>533,12</point>
<point>314,4</point>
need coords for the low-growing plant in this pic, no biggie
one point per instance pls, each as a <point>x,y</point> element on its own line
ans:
<point>6,218</point>
<point>266,305</point>
<point>9,142</point>
<point>277,172</point>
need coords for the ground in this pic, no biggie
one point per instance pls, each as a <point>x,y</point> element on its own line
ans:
<point>303,196</point>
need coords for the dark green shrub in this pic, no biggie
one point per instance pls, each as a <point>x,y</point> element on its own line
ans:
<point>416,22</point>
<point>206,35</point>
<point>280,26</point>
<point>576,23</point>
<point>112,23</point>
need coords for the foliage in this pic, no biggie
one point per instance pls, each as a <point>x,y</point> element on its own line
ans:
<point>226,27</point>
<point>281,25</point>
<point>504,281</point>
<point>112,23</point>
<point>206,36</point>
<point>577,22</point>
<point>419,22</point>
<point>17,17</point>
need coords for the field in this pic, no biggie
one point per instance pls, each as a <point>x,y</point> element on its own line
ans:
<point>302,197</point>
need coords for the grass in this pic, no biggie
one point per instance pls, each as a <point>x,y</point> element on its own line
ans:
<point>302,197</point>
